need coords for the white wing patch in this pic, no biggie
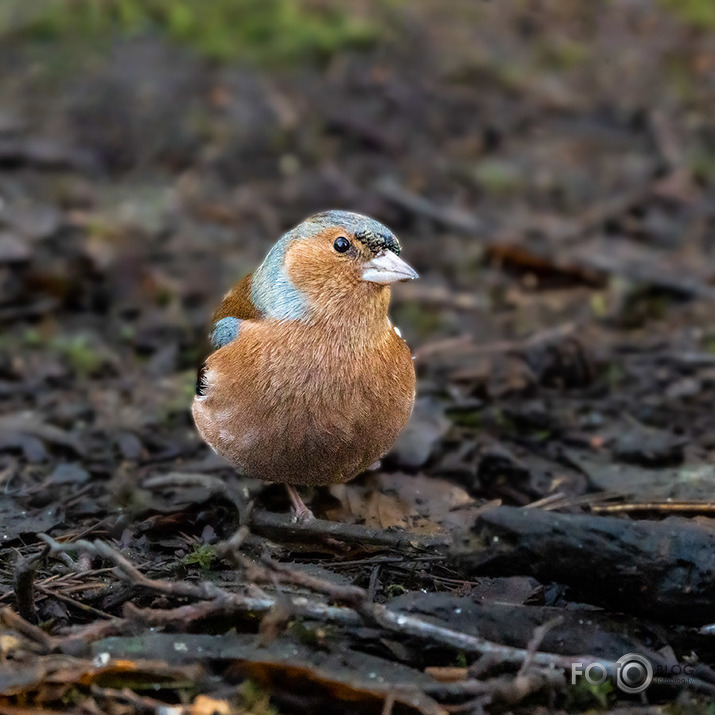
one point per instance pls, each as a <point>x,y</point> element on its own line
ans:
<point>395,328</point>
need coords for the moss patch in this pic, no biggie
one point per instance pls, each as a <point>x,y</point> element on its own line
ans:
<point>268,31</point>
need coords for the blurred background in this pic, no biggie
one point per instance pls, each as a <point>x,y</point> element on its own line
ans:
<point>548,166</point>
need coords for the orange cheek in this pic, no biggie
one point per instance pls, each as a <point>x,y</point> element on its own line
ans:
<point>301,262</point>
<point>317,273</point>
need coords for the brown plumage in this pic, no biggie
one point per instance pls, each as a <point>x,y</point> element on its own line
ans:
<point>311,384</point>
<point>237,303</point>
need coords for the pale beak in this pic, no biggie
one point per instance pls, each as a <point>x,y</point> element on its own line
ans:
<point>386,268</point>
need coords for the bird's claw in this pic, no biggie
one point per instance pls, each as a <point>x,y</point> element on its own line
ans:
<point>303,516</point>
<point>301,513</point>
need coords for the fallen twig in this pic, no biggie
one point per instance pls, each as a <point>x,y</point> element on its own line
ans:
<point>536,640</point>
<point>506,690</point>
<point>18,623</point>
<point>284,526</point>
<point>24,585</point>
<point>662,507</point>
<point>426,631</point>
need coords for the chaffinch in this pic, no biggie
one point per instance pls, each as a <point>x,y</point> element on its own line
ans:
<point>310,382</point>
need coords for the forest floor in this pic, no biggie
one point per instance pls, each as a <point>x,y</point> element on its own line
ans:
<point>550,171</point>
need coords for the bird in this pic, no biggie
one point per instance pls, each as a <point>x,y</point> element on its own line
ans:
<point>310,383</point>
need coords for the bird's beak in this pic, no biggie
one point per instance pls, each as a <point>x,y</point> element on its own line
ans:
<point>386,268</point>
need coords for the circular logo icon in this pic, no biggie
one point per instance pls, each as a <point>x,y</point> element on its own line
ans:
<point>634,673</point>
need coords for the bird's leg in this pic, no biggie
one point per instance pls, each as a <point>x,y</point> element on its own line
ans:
<point>302,513</point>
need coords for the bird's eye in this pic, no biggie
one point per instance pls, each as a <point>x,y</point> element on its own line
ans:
<point>341,244</point>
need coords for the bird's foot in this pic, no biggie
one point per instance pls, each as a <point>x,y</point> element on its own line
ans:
<point>304,516</point>
<point>301,512</point>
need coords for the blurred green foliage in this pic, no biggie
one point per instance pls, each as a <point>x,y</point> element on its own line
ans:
<point>267,31</point>
<point>83,357</point>
<point>255,700</point>
<point>498,177</point>
<point>588,695</point>
<point>701,161</point>
<point>78,351</point>
<point>698,13</point>
<point>687,705</point>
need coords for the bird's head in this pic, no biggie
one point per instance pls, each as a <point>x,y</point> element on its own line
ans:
<point>328,259</point>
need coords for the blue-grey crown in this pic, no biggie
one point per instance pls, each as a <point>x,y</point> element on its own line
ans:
<point>373,234</point>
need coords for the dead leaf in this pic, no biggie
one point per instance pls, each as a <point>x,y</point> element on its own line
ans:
<point>28,431</point>
<point>416,503</point>
<point>16,521</point>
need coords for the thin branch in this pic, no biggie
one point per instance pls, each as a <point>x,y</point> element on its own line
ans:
<point>536,640</point>
<point>17,623</point>
<point>284,527</point>
<point>424,630</point>
<point>24,585</point>
<point>508,690</point>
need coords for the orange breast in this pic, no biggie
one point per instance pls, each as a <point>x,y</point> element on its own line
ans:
<point>284,404</point>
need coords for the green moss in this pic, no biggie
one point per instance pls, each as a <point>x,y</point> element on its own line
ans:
<point>255,699</point>
<point>203,555</point>
<point>680,78</point>
<point>275,31</point>
<point>498,177</point>
<point>564,55</point>
<point>599,305</point>
<point>688,705</point>
<point>177,397</point>
<point>78,351</point>
<point>700,14</point>
<point>395,589</point>
<point>502,422</point>
<point>127,333</point>
<point>701,162</point>
<point>614,376</point>
<point>32,338</point>
<point>268,30</point>
<point>466,419</point>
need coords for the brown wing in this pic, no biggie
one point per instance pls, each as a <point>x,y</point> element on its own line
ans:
<point>237,303</point>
